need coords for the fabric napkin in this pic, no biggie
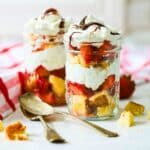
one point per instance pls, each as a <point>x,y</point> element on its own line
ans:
<point>10,87</point>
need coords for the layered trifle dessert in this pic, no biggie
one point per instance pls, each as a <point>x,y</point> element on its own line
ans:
<point>92,69</point>
<point>45,57</point>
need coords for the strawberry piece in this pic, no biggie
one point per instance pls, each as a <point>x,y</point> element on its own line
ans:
<point>106,46</point>
<point>41,71</point>
<point>48,98</point>
<point>127,86</point>
<point>108,83</point>
<point>86,52</point>
<point>79,89</point>
<point>105,51</point>
<point>59,73</point>
<point>43,85</point>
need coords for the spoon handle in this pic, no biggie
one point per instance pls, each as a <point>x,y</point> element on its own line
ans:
<point>51,134</point>
<point>102,130</point>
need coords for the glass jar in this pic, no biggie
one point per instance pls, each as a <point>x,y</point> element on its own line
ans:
<point>45,66</point>
<point>92,81</point>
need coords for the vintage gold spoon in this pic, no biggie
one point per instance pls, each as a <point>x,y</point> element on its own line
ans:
<point>36,106</point>
<point>50,133</point>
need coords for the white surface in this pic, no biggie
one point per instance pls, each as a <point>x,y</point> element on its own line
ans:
<point>83,138</point>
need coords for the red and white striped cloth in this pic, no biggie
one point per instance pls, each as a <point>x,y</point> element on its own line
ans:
<point>10,86</point>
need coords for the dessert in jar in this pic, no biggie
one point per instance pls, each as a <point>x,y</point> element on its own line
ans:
<point>92,69</point>
<point>45,58</point>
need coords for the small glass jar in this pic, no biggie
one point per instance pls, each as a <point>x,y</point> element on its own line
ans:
<point>45,74</point>
<point>92,81</point>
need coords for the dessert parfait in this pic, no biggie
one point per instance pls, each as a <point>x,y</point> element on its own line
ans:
<point>92,69</point>
<point>45,58</point>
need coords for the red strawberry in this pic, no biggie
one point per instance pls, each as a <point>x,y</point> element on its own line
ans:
<point>59,72</point>
<point>108,83</point>
<point>42,72</point>
<point>79,89</point>
<point>105,51</point>
<point>106,46</point>
<point>48,98</point>
<point>127,86</point>
<point>43,85</point>
<point>86,52</point>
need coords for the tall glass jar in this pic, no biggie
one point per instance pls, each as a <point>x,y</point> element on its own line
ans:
<point>92,81</point>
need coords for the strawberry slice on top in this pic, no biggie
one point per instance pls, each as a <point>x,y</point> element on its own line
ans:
<point>86,51</point>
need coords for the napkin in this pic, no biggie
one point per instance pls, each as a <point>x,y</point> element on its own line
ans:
<point>10,87</point>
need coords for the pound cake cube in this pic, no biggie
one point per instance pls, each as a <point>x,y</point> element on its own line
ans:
<point>58,85</point>
<point>126,119</point>
<point>100,99</point>
<point>16,131</point>
<point>79,105</point>
<point>104,111</point>
<point>1,126</point>
<point>148,115</point>
<point>135,108</point>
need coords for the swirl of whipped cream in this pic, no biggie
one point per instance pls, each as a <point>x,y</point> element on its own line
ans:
<point>91,30</point>
<point>49,23</point>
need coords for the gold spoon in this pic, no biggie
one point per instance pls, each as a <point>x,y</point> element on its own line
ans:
<point>36,106</point>
<point>50,133</point>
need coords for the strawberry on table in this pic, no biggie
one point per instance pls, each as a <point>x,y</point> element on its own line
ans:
<point>127,86</point>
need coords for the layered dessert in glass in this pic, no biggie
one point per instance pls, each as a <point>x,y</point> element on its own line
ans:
<point>45,57</point>
<point>92,69</point>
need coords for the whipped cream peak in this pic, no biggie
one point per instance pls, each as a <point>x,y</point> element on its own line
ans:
<point>50,23</point>
<point>91,30</point>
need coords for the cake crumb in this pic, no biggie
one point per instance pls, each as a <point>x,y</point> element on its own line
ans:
<point>16,131</point>
<point>126,119</point>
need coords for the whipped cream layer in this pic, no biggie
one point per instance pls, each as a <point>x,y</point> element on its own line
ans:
<point>93,31</point>
<point>51,59</point>
<point>49,23</point>
<point>90,77</point>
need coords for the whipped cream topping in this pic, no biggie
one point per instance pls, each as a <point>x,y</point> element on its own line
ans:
<point>51,59</point>
<point>49,23</point>
<point>93,31</point>
<point>90,77</point>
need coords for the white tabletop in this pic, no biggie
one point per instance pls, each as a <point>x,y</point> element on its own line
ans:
<point>81,137</point>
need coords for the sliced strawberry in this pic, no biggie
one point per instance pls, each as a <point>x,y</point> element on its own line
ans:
<point>43,85</point>
<point>105,52</point>
<point>127,86</point>
<point>48,98</point>
<point>42,72</point>
<point>59,72</point>
<point>106,46</point>
<point>86,52</point>
<point>79,89</point>
<point>108,83</point>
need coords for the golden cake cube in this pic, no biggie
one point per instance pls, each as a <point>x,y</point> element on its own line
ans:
<point>16,131</point>
<point>1,126</point>
<point>126,119</point>
<point>100,99</point>
<point>148,115</point>
<point>104,111</point>
<point>135,108</point>
<point>58,85</point>
<point>79,105</point>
